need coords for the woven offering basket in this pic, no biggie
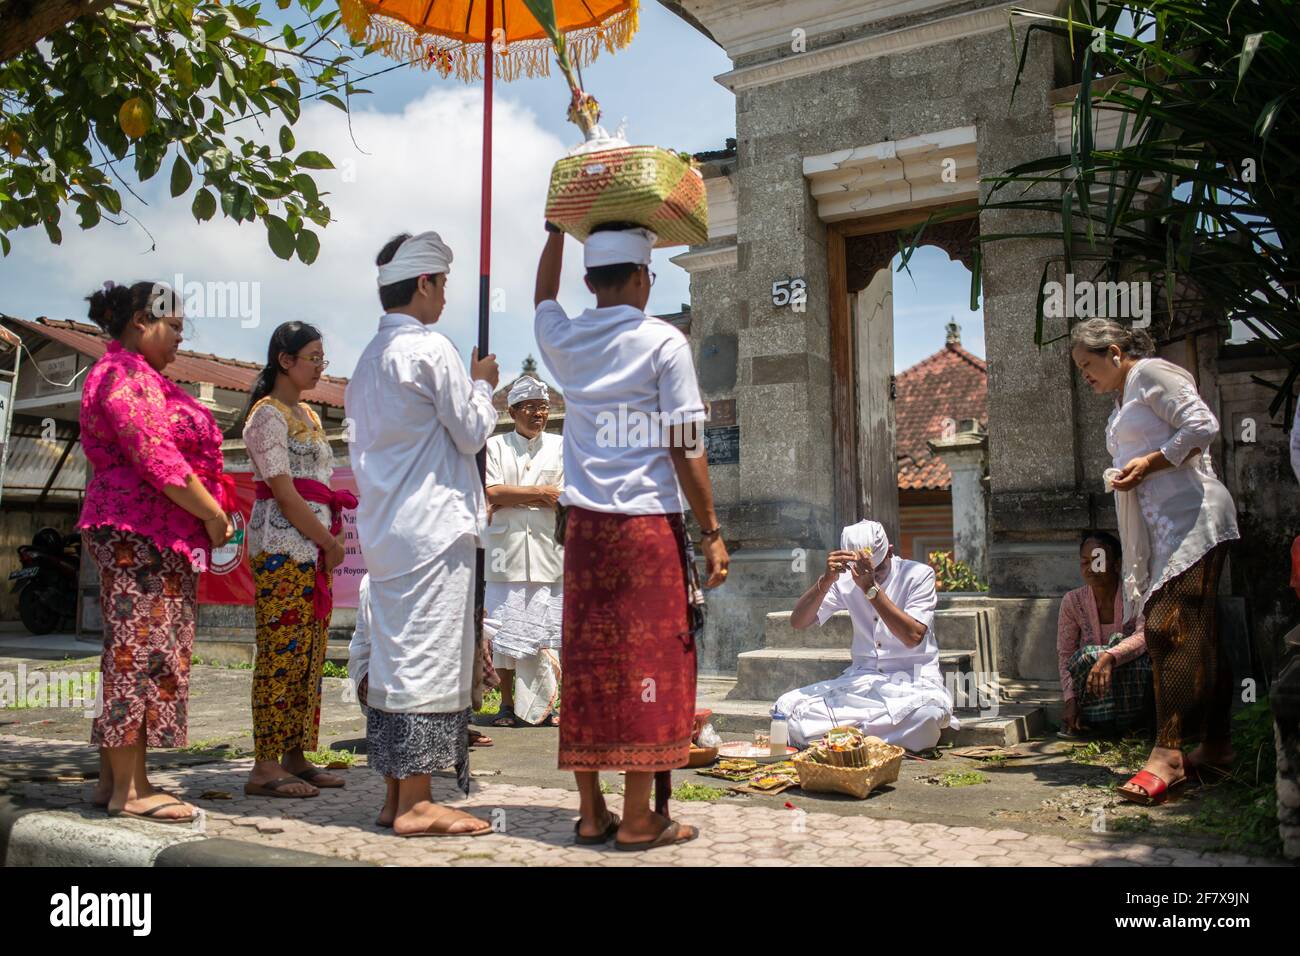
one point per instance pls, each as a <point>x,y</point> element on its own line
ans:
<point>646,185</point>
<point>881,766</point>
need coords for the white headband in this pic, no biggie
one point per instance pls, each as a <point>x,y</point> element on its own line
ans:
<point>526,388</point>
<point>866,534</point>
<point>615,248</point>
<point>425,254</point>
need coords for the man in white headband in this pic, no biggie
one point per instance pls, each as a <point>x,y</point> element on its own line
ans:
<point>523,563</point>
<point>632,448</point>
<point>417,420</point>
<point>893,688</point>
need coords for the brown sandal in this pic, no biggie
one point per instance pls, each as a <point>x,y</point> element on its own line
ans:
<point>274,788</point>
<point>667,837</point>
<point>149,814</point>
<point>311,773</point>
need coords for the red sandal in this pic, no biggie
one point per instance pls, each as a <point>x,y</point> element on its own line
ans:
<point>1154,789</point>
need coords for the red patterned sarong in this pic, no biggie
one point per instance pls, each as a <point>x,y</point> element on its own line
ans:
<point>628,699</point>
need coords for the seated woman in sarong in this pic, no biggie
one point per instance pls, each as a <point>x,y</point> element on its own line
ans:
<point>1105,670</point>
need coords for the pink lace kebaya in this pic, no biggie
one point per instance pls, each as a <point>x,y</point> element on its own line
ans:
<point>142,432</point>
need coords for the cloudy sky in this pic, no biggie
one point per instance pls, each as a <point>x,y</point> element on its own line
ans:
<point>412,162</point>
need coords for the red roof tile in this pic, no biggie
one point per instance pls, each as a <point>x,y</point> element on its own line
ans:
<point>189,367</point>
<point>951,383</point>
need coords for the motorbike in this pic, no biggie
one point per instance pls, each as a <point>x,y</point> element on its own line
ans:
<point>46,583</point>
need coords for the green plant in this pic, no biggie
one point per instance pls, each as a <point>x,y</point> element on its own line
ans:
<point>328,756</point>
<point>1199,193</point>
<point>334,670</point>
<point>491,703</point>
<point>142,82</point>
<point>953,575</point>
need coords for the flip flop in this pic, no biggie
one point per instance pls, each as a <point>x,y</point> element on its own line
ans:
<point>477,739</point>
<point>667,837</point>
<point>149,814</point>
<point>610,830</point>
<point>1157,790</point>
<point>430,832</point>
<point>274,788</point>
<point>310,775</point>
<point>506,714</point>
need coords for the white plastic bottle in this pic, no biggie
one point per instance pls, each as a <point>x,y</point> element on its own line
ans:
<point>779,734</point>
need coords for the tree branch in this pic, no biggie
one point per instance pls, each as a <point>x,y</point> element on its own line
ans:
<point>24,24</point>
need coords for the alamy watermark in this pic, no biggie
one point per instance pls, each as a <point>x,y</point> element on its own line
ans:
<point>210,300</point>
<point>1086,299</point>
<point>633,428</point>
<point>72,690</point>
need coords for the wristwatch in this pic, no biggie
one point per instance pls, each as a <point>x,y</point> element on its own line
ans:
<point>872,592</point>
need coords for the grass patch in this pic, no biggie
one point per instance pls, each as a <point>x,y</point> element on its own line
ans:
<point>698,791</point>
<point>327,756</point>
<point>1127,752</point>
<point>334,670</point>
<point>606,787</point>
<point>1141,823</point>
<point>961,778</point>
<point>228,665</point>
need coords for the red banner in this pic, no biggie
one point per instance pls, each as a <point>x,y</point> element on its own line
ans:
<point>229,578</point>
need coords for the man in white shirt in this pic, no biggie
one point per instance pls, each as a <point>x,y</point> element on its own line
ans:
<point>417,421</point>
<point>893,689</point>
<point>632,449</point>
<point>523,564</point>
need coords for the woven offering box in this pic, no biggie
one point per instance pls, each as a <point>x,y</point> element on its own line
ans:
<point>646,185</point>
<point>879,764</point>
<point>844,747</point>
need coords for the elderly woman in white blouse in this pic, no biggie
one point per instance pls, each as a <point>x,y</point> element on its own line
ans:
<point>1175,520</point>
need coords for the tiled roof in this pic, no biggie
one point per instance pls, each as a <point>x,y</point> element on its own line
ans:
<point>951,383</point>
<point>189,367</point>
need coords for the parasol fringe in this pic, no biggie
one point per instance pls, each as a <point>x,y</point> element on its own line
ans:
<point>366,22</point>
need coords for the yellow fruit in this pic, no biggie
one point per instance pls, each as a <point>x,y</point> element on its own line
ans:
<point>134,117</point>
<point>185,73</point>
<point>14,143</point>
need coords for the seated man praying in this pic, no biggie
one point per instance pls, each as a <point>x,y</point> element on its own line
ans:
<point>893,688</point>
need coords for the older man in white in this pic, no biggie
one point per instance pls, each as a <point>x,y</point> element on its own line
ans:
<point>893,689</point>
<point>524,564</point>
<point>417,420</point>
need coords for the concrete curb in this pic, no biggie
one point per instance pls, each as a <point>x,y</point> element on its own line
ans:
<point>36,836</point>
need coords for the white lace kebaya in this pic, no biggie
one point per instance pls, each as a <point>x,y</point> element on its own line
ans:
<point>1186,509</point>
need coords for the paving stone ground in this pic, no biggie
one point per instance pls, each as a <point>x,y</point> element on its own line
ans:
<point>535,827</point>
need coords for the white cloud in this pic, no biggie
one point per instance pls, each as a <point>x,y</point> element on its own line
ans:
<point>414,170</point>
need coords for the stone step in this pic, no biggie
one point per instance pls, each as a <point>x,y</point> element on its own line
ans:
<point>1013,723</point>
<point>768,673</point>
<point>955,628</point>
<point>1038,693</point>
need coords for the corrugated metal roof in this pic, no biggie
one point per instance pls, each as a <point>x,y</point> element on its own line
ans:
<point>189,367</point>
<point>30,461</point>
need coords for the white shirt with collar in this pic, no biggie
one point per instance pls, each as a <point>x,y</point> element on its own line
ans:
<point>626,377</point>
<point>520,540</point>
<point>910,586</point>
<point>417,422</point>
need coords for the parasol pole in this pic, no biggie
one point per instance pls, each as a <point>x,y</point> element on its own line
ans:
<point>484,274</point>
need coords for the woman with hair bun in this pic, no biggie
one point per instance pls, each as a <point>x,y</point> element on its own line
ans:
<point>155,504</point>
<point>1175,520</point>
<point>294,548</point>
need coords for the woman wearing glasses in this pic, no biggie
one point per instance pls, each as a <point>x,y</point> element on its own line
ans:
<point>294,546</point>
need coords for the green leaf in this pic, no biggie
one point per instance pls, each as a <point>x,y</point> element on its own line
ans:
<point>310,159</point>
<point>333,100</point>
<point>218,159</point>
<point>1249,47</point>
<point>204,206</point>
<point>279,236</point>
<point>4,243</point>
<point>88,210</point>
<point>182,176</point>
<point>308,246</point>
<point>286,139</point>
